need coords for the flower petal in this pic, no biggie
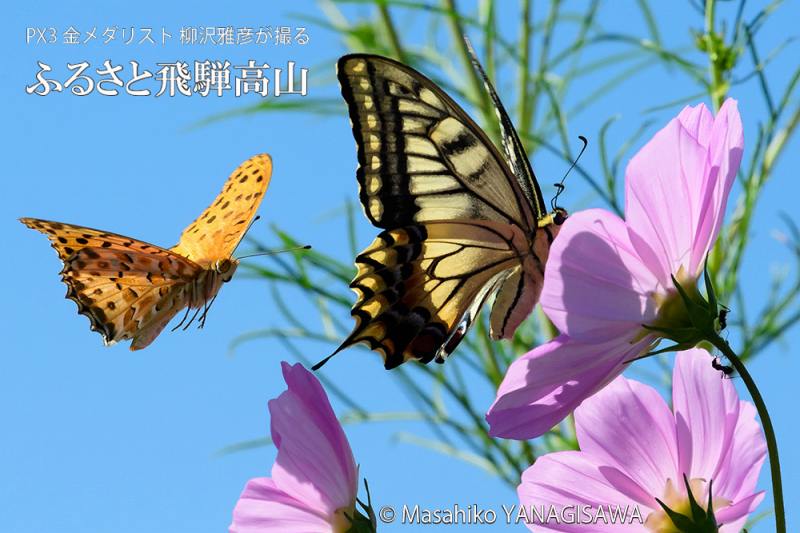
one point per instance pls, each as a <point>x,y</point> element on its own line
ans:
<point>663,183</point>
<point>543,386</point>
<point>706,412</point>
<point>677,186</point>
<point>566,480</point>
<point>314,464</point>
<point>596,286</point>
<point>734,516</point>
<point>739,472</point>
<point>725,148</point>
<point>263,507</point>
<point>628,426</point>
<point>698,122</point>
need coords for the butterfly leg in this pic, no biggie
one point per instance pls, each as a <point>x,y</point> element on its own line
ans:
<point>205,312</point>
<point>202,321</point>
<point>191,319</point>
<point>182,320</point>
<point>192,298</point>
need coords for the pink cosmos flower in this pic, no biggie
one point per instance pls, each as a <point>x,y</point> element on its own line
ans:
<point>606,277</point>
<point>314,479</point>
<point>634,449</point>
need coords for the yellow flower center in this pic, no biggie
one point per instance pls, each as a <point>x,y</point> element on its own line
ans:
<point>339,521</point>
<point>672,311</point>
<point>659,522</point>
<point>683,316</point>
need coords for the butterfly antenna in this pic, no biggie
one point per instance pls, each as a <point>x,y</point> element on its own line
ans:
<point>560,185</point>
<point>256,219</point>
<point>273,252</point>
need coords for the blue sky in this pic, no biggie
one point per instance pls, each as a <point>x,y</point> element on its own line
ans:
<point>103,439</point>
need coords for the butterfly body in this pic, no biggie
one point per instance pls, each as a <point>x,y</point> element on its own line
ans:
<point>130,289</point>
<point>461,221</point>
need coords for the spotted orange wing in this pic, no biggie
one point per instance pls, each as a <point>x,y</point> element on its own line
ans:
<point>217,231</point>
<point>128,289</point>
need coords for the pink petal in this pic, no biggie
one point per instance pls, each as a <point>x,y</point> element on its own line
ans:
<point>543,386</point>
<point>565,480</point>
<point>263,507</point>
<point>739,472</point>
<point>628,426</point>
<point>314,464</point>
<point>677,186</point>
<point>734,516</point>
<point>596,286</point>
<point>725,147</point>
<point>706,411</point>
<point>718,435</point>
<point>663,182</point>
<point>698,122</point>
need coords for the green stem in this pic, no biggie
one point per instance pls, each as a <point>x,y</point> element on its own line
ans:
<point>391,32</point>
<point>717,87</point>
<point>479,93</point>
<point>523,104</point>
<point>752,190</point>
<point>544,54</point>
<point>491,363</point>
<point>772,444</point>
<point>489,36</point>
<point>527,451</point>
<point>709,15</point>
<point>477,419</point>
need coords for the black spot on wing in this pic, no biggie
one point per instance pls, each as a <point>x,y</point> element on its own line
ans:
<point>461,143</point>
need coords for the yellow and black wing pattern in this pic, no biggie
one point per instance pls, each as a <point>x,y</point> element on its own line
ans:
<point>458,223</point>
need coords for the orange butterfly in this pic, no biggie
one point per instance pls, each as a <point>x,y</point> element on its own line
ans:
<point>130,289</point>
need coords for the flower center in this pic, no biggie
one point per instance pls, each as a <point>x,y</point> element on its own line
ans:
<point>684,316</point>
<point>672,312</point>
<point>659,521</point>
<point>339,521</point>
<point>672,318</point>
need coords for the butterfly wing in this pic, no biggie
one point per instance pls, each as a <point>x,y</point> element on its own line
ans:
<point>217,231</point>
<point>420,156</point>
<point>128,289</point>
<point>513,149</point>
<point>459,223</point>
<point>419,287</point>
